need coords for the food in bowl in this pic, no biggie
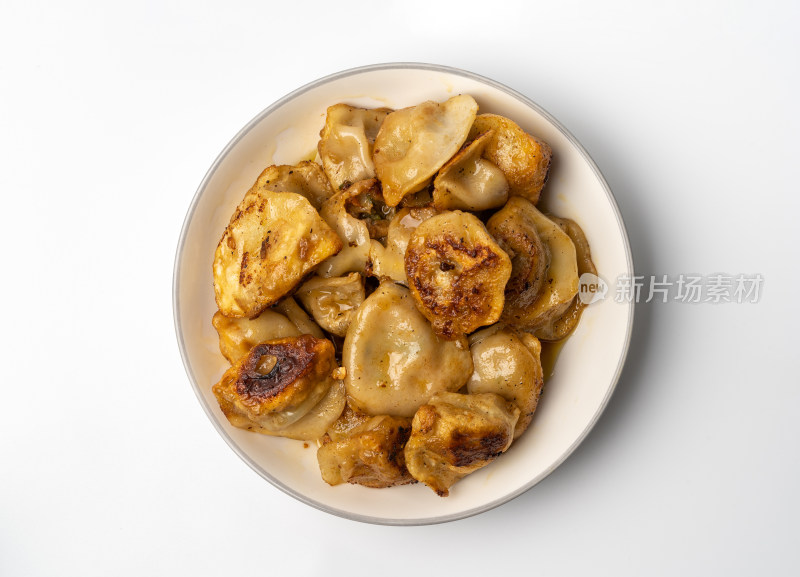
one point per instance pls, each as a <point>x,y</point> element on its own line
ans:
<point>388,301</point>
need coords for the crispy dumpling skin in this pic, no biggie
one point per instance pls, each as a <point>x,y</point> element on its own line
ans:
<point>273,240</point>
<point>514,229</point>
<point>560,284</point>
<point>332,301</point>
<point>305,178</point>
<point>388,261</point>
<point>371,455</point>
<point>508,363</point>
<point>394,360</point>
<point>457,273</point>
<point>415,142</point>
<point>277,383</point>
<point>454,435</point>
<point>563,325</point>
<point>524,159</point>
<point>470,182</point>
<point>346,142</point>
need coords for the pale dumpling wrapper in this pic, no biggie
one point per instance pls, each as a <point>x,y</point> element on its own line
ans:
<point>346,142</point>
<point>394,360</point>
<point>333,301</point>
<point>388,261</point>
<point>414,143</point>
<point>508,364</point>
<point>353,232</point>
<point>470,182</point>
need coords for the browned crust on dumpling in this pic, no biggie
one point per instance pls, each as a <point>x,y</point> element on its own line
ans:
<point>516,234</point>
<point>301,364</point>
<point>476,271</point>
<point>372,456</point>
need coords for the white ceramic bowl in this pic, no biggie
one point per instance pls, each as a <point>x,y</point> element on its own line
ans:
<point>589,364</point>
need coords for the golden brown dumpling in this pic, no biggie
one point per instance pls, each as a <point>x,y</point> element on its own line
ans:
<point>508,363</point>
<point>371,455</point>
<point>345,145</point>
<point>560,285</point>
<point>454,435</point>
<point>457,273</point>
<point>277,383</point>
<point>558,328</point>
<point>394,361</point>
<point>524,159</point>
<point>305,178</point>
<point>389,261</point>
<point>273,240</point>
<point>514,229</point>
<point>414,143</point>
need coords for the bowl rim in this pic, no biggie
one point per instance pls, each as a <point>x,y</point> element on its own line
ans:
<point>179,260</point>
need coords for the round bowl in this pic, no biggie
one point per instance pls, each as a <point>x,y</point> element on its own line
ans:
<point>588,366</point>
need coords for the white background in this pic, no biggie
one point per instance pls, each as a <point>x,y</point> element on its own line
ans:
<point>111,114</point>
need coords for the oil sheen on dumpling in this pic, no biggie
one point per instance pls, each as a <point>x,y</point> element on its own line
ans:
<point>457,273</point>
<point>305,178</point>
<point>394,361</point>
<point>414,143</point>
<point>346,141</point>
<point>508,364</point>
<point>332,301</point>
<point>273,240</point>
<point>561,281</point>
<point>524,159</point>
<point>354,233</point>
<point>454,435</point>
<point>389,261</point>
<point>470,182</point>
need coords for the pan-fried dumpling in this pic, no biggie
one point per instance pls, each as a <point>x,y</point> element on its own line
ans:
<point>353,232</point>
<point>305,178</point>
<point>289,308</point>
<point>470,182</point>
<point>508,364</point>
<point>561,281</point>
<point>371,455</point>
<point>454,435</point>
<point>524,159</point>
<point>562,326</point>
<point>285,319</point>
<point>514,229</point>
<point>414,143</point>
<point>345,145</point>
<point>332,301</point>
<point>238,336</point>
<point>315,422</point>
<point>389,261</point>
<point>273,240</point>
<point>457,273</point>
<point>394,361</point>
<point>277,383</point>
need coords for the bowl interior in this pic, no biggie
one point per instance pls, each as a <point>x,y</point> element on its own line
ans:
<point>588,365</point>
